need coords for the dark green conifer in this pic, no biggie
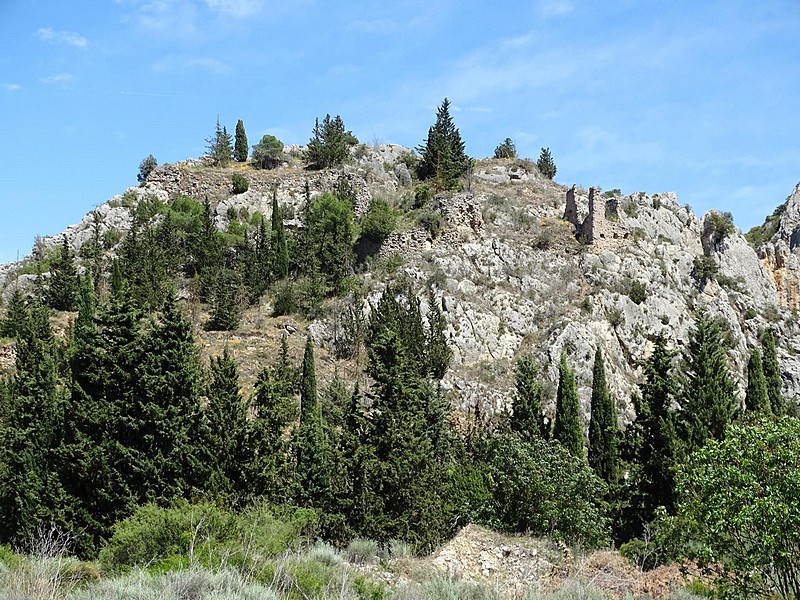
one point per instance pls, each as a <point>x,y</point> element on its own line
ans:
<point>772,374</point>
<point>279,252</point>
<point>567,428</point>
<point>226,419</point>
<point>603,429</point>
<point>14,316</point>
<point>62,285</point>
<point>268,466</point>
<point>527,418</point>
<point>311,447</point>
<point>756,398</point>
<point>709,392</point>
<point>545,164</point>
<point>442,155</point>
<point>240,148</point>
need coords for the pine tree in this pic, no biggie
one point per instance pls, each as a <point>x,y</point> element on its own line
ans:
<point>438,353</point>
<point>527,418</point>
<point>172,462</point>
<point>330,143</point>
<point>219,147</point>
<point>31,433</point>
<point>62,286</point>
<point>240,148</point>
<point>652,444</point>
<point>708,389</point>
<point>603,429</point>
<point>226,419</point>
<point>279,253</point>
<point>772,374</point>
<point>274,407</point>
<point>311,447</point>
<point>545,164</point>
<point>442,155</point>
<point>225,309</point>
<point>11,324</point>
<point>567,428</point>
<point>756,398</point>
<point>506,150</point>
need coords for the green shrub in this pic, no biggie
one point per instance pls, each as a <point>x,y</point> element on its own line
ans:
<point>422,194</point>
<point>637,291</point>
<point>431,220</point>
<point>379,221</point>
<point>285,298</point>
<point>615,317</point>
<point>719,226</point>
<point>704,269</point>
<point>630,208</point>
<point>240,183</point>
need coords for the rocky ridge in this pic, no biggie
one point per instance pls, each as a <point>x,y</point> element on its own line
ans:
<point>512,278</point>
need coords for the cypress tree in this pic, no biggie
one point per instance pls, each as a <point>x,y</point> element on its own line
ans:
<point>567,427</point>
<point>708,389</point>
<point>313,454</point>
<point>268,466</point>
<point>278,249</point>
<point>527,417</point>
<point>225,310</point>
<point>437,350</point>
<point>772,374</point>
<point>756,398</point>
<point>240,148</point>
<point>226,419</point>
<point>603,430</point>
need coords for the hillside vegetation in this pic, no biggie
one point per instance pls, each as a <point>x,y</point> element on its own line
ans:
<point>258,379</point>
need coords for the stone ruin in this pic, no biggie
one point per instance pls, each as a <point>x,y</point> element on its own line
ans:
<point>601,227</point>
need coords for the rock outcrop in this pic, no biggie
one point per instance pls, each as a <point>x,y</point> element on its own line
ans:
<point>523,265</point>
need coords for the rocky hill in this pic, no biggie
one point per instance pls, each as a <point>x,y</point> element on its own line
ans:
<point>523,265</point>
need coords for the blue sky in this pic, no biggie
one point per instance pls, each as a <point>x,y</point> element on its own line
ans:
<point>701,98</point>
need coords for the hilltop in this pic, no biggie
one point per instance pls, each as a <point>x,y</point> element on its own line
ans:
<point>511,273</point>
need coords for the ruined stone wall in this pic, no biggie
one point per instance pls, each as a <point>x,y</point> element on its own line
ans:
<point>596,229</point>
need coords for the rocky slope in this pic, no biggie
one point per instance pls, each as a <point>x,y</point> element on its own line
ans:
<point>511,276</point>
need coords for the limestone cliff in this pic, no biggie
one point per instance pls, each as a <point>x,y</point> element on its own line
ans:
<point>513,276</point>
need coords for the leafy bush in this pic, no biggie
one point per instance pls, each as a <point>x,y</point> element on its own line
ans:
<point>719,226</point>
<point>146,167</point>
<point>361,550</point>
<point>379,221</point>
<point>704,269</point>
<point>240,183</point>
<point>739,508</point>
<point>539,486</point>
<point>268,152</point>
<point>422,194</point>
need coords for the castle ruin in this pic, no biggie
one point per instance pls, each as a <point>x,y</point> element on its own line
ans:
<point>601,227</point>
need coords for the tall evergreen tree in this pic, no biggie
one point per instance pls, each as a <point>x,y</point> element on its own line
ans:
<point>527,418</point>
<point>652,444</point>
<point>756,398</point>
<point>62,285</point>
<point>225,309</point>
<point>567,428</point>
<point>240,148</point>
<point>313,453</point>
<point>442,155</point>
<point>167,421</point>
<point>438,353</point>
<point>603,429</point>
<point>708,389</point>
<point>330,143</point>
<point>226,419</point>
<point>15,315</point>
<point>545,164</point>
<point>772,374</point>
<point>279,253</point>
<point>219,147</point>
<point>268,466</point>
<point>31,435</point>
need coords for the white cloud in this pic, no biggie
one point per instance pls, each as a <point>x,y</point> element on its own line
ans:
<point>183,62</point>
<point>60,79</point>
<point>173,18</point>
<point>236,8</point>
<point>69,38</point>
<point>12,87</point>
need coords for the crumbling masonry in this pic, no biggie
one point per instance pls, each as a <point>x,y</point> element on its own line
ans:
<point>601,226</point>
